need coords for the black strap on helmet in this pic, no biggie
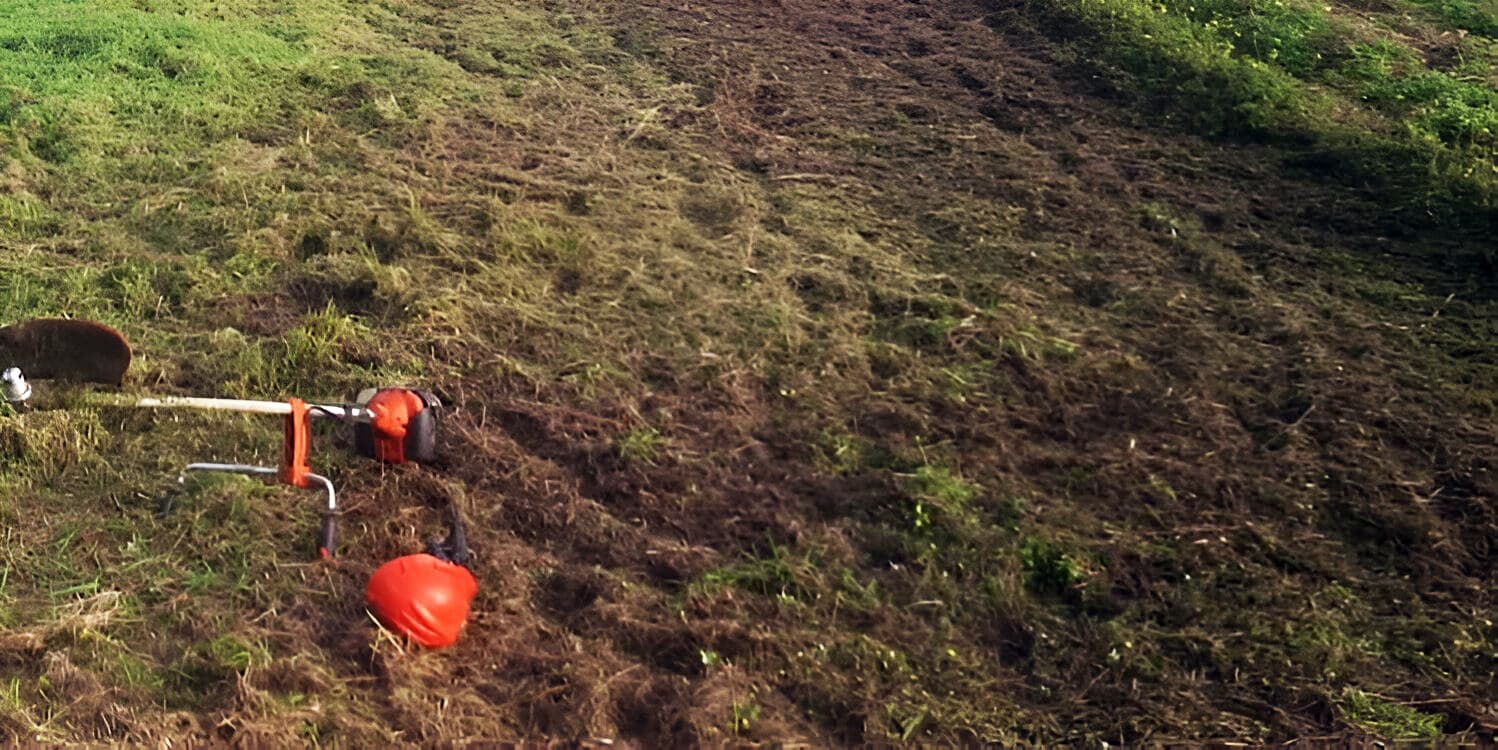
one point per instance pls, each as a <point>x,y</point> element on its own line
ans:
<point>454,548</point>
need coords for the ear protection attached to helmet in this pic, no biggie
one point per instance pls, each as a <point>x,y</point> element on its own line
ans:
<point>426,596</point>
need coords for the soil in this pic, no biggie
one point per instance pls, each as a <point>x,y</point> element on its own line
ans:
<point>1181,362</point>
<point>1274,432</point>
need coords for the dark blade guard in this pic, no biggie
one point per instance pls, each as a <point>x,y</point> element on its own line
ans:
<point>62,349</point>
<point>402,426</point>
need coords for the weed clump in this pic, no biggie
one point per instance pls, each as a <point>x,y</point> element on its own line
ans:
<point>642,445</point>
<point>940,497</point>
<point>1383,718</point>
<point>1049,570</point>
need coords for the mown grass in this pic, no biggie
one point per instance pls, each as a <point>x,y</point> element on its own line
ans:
<point>306,199</point>
<point>1386,719</point>
<point>164,164</point>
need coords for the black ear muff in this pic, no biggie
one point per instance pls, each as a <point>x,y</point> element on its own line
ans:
<point>364,440</point>
<point>421,431</point>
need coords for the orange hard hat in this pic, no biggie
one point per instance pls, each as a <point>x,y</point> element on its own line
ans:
<point>423,597</point>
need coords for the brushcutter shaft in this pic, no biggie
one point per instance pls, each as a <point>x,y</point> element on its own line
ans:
<point>247,406</point>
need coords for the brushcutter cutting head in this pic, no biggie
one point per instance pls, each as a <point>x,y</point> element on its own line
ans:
<point>13,387</point>
<point>61,349</point>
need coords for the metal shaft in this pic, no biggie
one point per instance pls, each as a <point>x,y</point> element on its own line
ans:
<point>327,535</point>
<point>263,471</point>
<point>248,406</point>
<point>14,389</point>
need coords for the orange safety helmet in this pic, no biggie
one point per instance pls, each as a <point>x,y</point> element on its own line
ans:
<point>426,596</point>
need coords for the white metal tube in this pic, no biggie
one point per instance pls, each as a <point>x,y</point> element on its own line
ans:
<point>14,389</point>
<point>220,404</point>
<point>229,468</point>
<point>249,407</point>
<point>332,496</point>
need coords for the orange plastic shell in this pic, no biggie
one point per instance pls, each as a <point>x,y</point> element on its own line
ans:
<point>296,445</point>
<point>391,412</point>
<point>422,597</point>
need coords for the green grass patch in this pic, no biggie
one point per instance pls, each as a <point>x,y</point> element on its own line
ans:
<point>1475,16</point>
<point>89,80</point>
<point>940,498</point>
<point>642,445</point>
<point>1295,37</point>
<point>1437,107</point>
<point>1387,719</point>
<point>778,574</point>
<point>1048,569</point>
<point>1267,70</point>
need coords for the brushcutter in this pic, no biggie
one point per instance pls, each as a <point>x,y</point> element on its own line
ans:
<point>390,425</point>
<point>425,596</point>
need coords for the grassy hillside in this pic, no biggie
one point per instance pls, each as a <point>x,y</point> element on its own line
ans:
<point>839,373</point>
<point>1401,97</point>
